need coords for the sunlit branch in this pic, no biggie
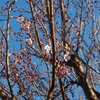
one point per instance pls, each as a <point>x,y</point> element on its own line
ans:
<point>36,29</point>
<point>53,39</point>
<point>7,48</point>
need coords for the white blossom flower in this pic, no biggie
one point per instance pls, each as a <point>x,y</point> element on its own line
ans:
<point>33,46</point>
<point>17,75</point>
<point>20,19</point>
<point>47,48</point>
<point>29,41</point>
<point>66,57</point>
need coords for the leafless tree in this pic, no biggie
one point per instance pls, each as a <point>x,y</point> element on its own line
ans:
<point>50,50</point>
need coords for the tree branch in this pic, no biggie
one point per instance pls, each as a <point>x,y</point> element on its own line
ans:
<point>53,39</point>
<point>36,29</point>
<point>7,48</point>
<point>84,83</point>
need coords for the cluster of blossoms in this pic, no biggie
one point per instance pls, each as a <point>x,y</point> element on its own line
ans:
<point>66,57</point>
<point>62,70</point>
<point>25,25</point>
<point>47,48</point>
<point>29,41</point>
<point>46,52</point>
<point>20,19</point>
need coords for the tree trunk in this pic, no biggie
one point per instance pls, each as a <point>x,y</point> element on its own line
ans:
<point>83,81</point>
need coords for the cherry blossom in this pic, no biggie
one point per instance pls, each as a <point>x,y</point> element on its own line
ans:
<point>62,71</point>
<point>47,48</point>
<point>29,41</point>
<point>3,8</point>
<point>17,75</point>
<point>25,26</point>
<point>20,19</point>
<point>66,57</point>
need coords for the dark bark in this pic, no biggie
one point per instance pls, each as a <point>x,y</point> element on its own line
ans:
<point>4,96</point>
